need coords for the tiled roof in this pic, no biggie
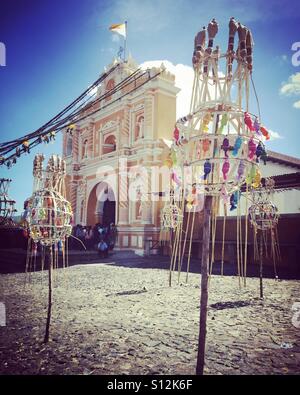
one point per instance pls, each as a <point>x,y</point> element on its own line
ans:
<point>284,159</point>
<point>287,181</point>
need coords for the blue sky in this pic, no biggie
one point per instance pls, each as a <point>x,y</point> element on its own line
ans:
<point>56,48</point>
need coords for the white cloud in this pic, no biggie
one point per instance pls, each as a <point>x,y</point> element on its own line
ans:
<point>292,86</point>
<point>184,76</point>
<point>274,135</point>
<point>297,104</point>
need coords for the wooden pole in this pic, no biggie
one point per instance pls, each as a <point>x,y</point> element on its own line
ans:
<point>261,266</point>
<point>204,284</point>
<point>49,259</point>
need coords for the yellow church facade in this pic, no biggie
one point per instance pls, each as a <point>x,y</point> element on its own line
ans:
<point>114,156</point>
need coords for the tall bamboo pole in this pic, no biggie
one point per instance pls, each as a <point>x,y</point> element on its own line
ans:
<point>261,266</point>
<point>204,284</point>
<point>49,259</point>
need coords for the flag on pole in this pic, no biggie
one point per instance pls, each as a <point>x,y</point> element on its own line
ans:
<point>119,28</point>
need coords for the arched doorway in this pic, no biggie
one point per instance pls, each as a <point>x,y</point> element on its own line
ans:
<point>101,206</point>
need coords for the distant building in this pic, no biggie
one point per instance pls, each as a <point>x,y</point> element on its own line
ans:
<point>279,166</point>
<point>287,201</point>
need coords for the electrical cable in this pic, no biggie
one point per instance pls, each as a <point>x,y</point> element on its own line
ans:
<point>15,143</point>
<point>74,102</point>
<point>71,118</point>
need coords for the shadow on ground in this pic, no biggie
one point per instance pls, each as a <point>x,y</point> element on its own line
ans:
<point>14,261</point>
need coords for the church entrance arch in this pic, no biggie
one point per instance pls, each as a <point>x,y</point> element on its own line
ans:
<point>101,206</point>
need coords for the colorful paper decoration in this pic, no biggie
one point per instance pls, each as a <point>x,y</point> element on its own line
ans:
<point>225,146</point>
<point>251,149</point>
<point>248,122</point>
<point>225,169</point>
<point>237,146</point>
<point>265,132</point>
<point>224,122</point>
<point>207,169</point>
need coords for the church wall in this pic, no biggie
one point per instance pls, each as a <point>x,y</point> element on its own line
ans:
<point>165,116</point>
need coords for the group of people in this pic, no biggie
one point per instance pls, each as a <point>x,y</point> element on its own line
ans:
<point>101,237</point>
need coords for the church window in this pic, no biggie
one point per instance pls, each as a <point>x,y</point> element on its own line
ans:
<point>110,144</point>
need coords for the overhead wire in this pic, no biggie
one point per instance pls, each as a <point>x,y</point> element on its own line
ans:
<point>78,111</point>
<point>67,108</point>
<point>73,116</point>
